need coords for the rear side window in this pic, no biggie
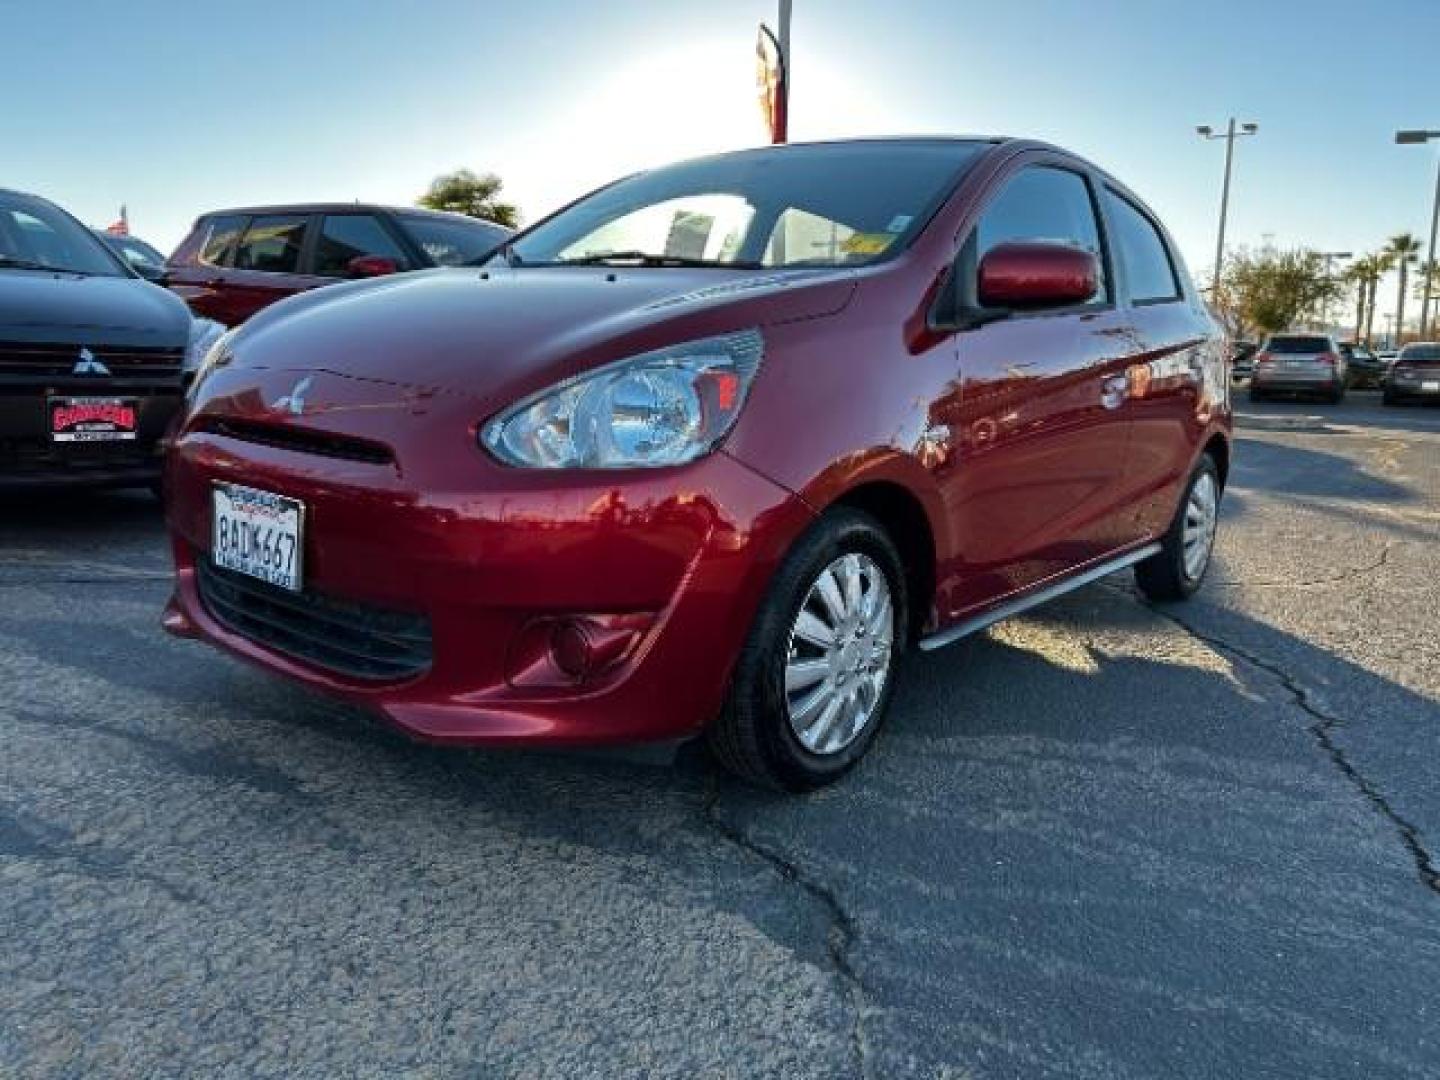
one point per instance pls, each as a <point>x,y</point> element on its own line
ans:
<point>1149,273</point>
<point>272,244</point>
<point>1043,204</point>
<point>221,236</point>
<point>348,236</point>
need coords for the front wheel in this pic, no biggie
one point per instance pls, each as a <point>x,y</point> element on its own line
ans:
<point>1177,569</point>
<point>813,680</point>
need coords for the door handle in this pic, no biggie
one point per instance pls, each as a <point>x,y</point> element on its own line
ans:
<point>1113,390</point>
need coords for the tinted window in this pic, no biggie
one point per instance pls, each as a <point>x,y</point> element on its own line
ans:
<point>763,207</point>
<point>348,236</point>
<point>1149,273</point>
<point>33,233</point>
<point>450,242</point>
<point>1424,353</point>
<point>1044,205</point>
<point>272,244</point>
<point>221,235</point>
<point>1298,344</point>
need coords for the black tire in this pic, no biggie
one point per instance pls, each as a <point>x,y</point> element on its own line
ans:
<point>1389,398</point>
<point>1337,396</point>
<point>752,737</point>
<point>1163,576</point>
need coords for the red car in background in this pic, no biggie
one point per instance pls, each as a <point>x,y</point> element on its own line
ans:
<point>236,262</point>
<point>706,450</point>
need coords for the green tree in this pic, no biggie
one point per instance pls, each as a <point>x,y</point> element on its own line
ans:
<point>471,194</point>
<point>1271,290</point>
<point>1404,250</point>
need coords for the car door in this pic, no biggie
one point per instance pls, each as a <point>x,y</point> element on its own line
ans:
<point>1036,425</point>
<point>197,271</point>
<point>271,262</point>
<point>1177,375</point>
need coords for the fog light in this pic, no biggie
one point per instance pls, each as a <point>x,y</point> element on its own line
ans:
<point>573,650</point>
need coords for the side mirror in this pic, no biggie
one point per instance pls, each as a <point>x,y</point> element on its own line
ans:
<point>1030,276</point>
<point>367,266</point>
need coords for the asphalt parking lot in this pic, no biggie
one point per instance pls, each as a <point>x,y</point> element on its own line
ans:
<point>1106,840</point>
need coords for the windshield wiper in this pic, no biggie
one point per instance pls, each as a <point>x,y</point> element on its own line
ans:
<point>650,258</point>
<point>30,264</point>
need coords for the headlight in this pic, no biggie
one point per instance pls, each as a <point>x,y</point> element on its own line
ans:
<point>203,335</point>
<point>660,408</point>
<point>217,345</point>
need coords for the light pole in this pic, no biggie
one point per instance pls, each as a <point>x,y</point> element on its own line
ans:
<point>1230,135</point>
<point>1330,257</point>
<point>1407,137</point>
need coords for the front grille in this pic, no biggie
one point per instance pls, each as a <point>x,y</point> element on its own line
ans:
<point>58,361</point>
<point>350,639</point>
<point>301,440</point>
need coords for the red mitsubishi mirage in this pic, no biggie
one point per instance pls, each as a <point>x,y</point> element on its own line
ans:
<point>707,449</point>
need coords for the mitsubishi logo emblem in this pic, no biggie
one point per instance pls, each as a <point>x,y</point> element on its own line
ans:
<point>294,401</point>
<point>88,365</point>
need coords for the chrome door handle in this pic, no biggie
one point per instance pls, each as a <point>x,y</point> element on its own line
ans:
<point>1113,391</point>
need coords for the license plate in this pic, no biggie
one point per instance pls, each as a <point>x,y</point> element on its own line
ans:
<point>93,419</point>
<point>258,533</point>
<point>1431,386</point>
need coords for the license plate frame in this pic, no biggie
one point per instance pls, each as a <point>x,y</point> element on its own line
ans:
<point>92,418</point>
<point>258,533</point>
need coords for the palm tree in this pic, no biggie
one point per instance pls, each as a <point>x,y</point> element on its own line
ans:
<point>1403,249</point>
<point>1366,272</point>
<point>1427,291</point>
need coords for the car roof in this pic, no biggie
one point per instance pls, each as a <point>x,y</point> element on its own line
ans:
<point>344,208</point>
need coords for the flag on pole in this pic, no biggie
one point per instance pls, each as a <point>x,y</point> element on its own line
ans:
<point>770,81</point>
<point>120,227</point>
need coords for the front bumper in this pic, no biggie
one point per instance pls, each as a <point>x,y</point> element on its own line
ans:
<point>682,556</point>
<point>29,458</point>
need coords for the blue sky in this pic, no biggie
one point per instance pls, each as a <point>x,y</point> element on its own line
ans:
<point>177,108</point>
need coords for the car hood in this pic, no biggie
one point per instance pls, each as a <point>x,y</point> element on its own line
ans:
<point>501,333</point>
<point>73,309</point>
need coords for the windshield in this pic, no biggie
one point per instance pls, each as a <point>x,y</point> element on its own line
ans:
<point>1298,345</point>
<point>1422,353</point>
<point>37,236</point>
<point>450,243</point>
<point>840,204</point>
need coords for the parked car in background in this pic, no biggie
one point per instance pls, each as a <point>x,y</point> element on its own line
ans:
<point>1242,359</point>
<point>708,449</point>
<point>1415,375</point>
<point>1299,364</point>
<point>92,357</point>
<point>1364,369</point>
<point>236,262</point>
<point>144,259</point>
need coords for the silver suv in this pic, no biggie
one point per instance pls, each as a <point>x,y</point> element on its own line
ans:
<point>1299,364</point>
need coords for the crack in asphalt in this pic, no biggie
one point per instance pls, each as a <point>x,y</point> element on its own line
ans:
<point>1329,579</point>
<point>1320,730</point>
<point>840,938</point>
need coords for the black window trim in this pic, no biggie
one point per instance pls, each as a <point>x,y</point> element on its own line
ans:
<point>1162,236</point>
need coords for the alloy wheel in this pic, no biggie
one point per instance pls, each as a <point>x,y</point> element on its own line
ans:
<point>1201,518</point>
<point>838,659</point>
